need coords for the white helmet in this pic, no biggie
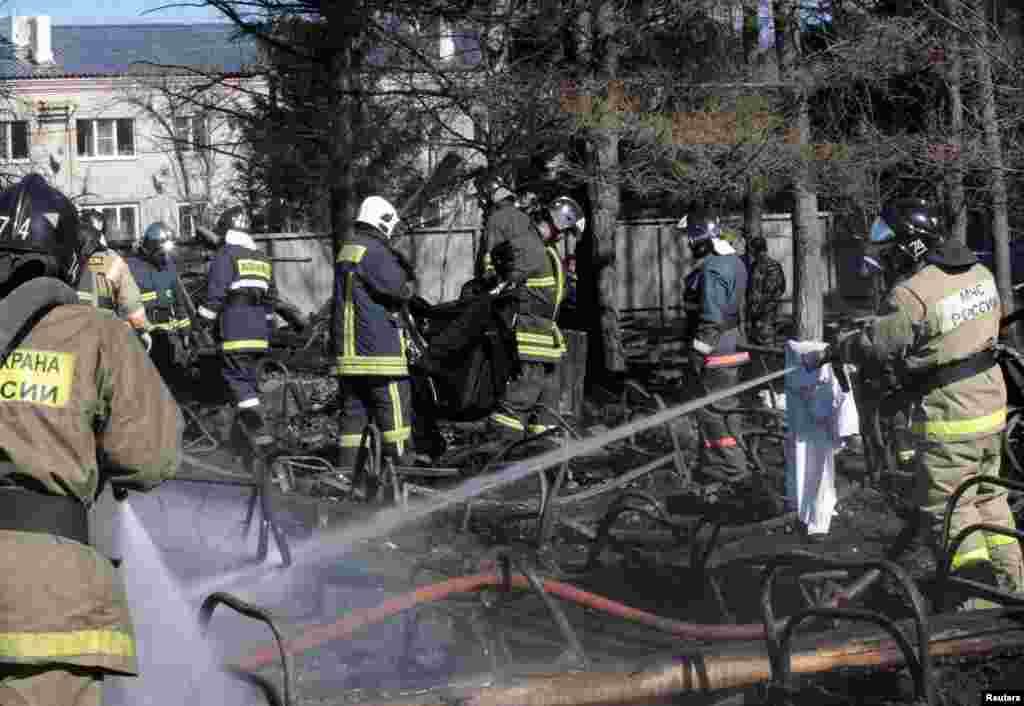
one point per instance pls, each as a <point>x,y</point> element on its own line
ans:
<point>566,213</point>
<point>378,212</point>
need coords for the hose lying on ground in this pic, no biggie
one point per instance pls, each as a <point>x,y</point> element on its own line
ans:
<point>359,619</point>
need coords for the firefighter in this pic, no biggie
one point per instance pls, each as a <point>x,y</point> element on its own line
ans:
<point>163,296</point>
<point>713,298</point>
<point>107,282</point>
<point>937,331</point>
<point>372,282</point>
<point>240,291</point>
<point>767,285</point>
<point>76,387</point>
<point>518,257</point>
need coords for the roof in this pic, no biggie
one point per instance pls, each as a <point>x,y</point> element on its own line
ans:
<point>84,51</point>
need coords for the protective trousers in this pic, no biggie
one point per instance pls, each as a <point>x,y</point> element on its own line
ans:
<point>941,468</point>
<point>386,401</point>
<point>33,685</point>
<point>520,412</point>
<point>241,377</point>
<point>720,454</point>
<point>168,355</point>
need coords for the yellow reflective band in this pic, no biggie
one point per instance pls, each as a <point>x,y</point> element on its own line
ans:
<point>181,323</point>
<point>254,268</point>
<point>351,441</point>
<point>365,365</point>
<point>538,428</point>
<point>968,557</point>
<point>163,327</point>
<point>148,296</point>
<point>991,422</point>
<point>507,421</point>
<point>548,353</point>
<point>41,645</point>
<point>37,377</point>
<point>998,540</point>
<point>86,297</point>
<point>556,266</point>
<point>399,433</point>
<point>247,345</point>
<point>538,282</point>
<point>906,455</point>
<point>352,253</point>
<point>349,343</point>
<point>541,338</point>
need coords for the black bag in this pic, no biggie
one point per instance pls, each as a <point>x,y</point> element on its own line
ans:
<point>476,355</point>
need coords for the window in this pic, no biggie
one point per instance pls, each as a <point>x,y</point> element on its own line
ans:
<point>188,215</point>
<point>190,132</point>
<point>122,220</point>
<point>14,140</point>
<point>106,137</point>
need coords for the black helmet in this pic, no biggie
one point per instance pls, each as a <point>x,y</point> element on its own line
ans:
<point>492,191</point>
<point>95,219</point>
<point>701,229</point>
<point>91,239</point>
<point>566,214</point>
<point>905,231</point>
<point>157,241</point>
<point>757,246</point>
<point>235,218</point>
<point>39,224</point>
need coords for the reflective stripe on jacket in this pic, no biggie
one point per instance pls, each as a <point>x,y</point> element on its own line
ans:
<point>239,291</point>
<point>935,318</point>
<point>368,282</point>
<point>160,294</point>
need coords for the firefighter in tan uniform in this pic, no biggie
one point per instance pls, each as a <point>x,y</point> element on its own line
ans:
<point>107,281</point>
<point>938,328</point>
<point>75,387</point>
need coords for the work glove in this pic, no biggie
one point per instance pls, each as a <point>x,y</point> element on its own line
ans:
<point>120,492</point>
<point>147,340</point>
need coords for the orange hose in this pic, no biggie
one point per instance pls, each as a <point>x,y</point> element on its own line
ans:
<point>358,619</point>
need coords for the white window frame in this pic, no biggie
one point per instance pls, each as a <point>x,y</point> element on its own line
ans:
<point>115,222</point>
<point>190,234</point>
<point>96,156</point>
<point>7,136</point>
<point>189,142</point>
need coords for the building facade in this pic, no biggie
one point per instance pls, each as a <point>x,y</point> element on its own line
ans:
<point>118,117</point>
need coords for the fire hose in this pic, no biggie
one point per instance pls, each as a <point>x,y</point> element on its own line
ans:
<point>359,619</point>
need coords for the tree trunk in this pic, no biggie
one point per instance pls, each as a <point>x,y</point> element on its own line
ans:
<point>763,66</point>
<point>954,65</point>
<point>808,263</point>
<point>993,148</point>
<point>603,192</point>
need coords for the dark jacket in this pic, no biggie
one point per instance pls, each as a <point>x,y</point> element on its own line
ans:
<point>371,283</point>
<point>537,271</point>
<point>714,299</point>
<point>161,294</point>
<point>240,291</point>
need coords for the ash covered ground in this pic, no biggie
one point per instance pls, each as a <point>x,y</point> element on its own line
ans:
<point>198,528</point>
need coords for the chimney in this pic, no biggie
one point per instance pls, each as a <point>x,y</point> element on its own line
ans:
<point>41,51</point>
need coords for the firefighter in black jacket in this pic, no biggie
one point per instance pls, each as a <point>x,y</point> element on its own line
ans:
<point>239,295</point>
<point>714,299</point>
<point>372,281</point>
<point>517,256</point>
<point>163,297</point>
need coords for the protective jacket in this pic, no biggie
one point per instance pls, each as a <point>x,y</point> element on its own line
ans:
<point>537,270</point>
<point>714,299</point>
<point>77,388</point>
<point>161,294</point>
<point>240,292</point>
<point>108,283</point>
<point>766,287</point>
<point>936,330</point>
<point>371,282</point>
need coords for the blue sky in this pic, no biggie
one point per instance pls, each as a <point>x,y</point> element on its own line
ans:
<point>109,11</point>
